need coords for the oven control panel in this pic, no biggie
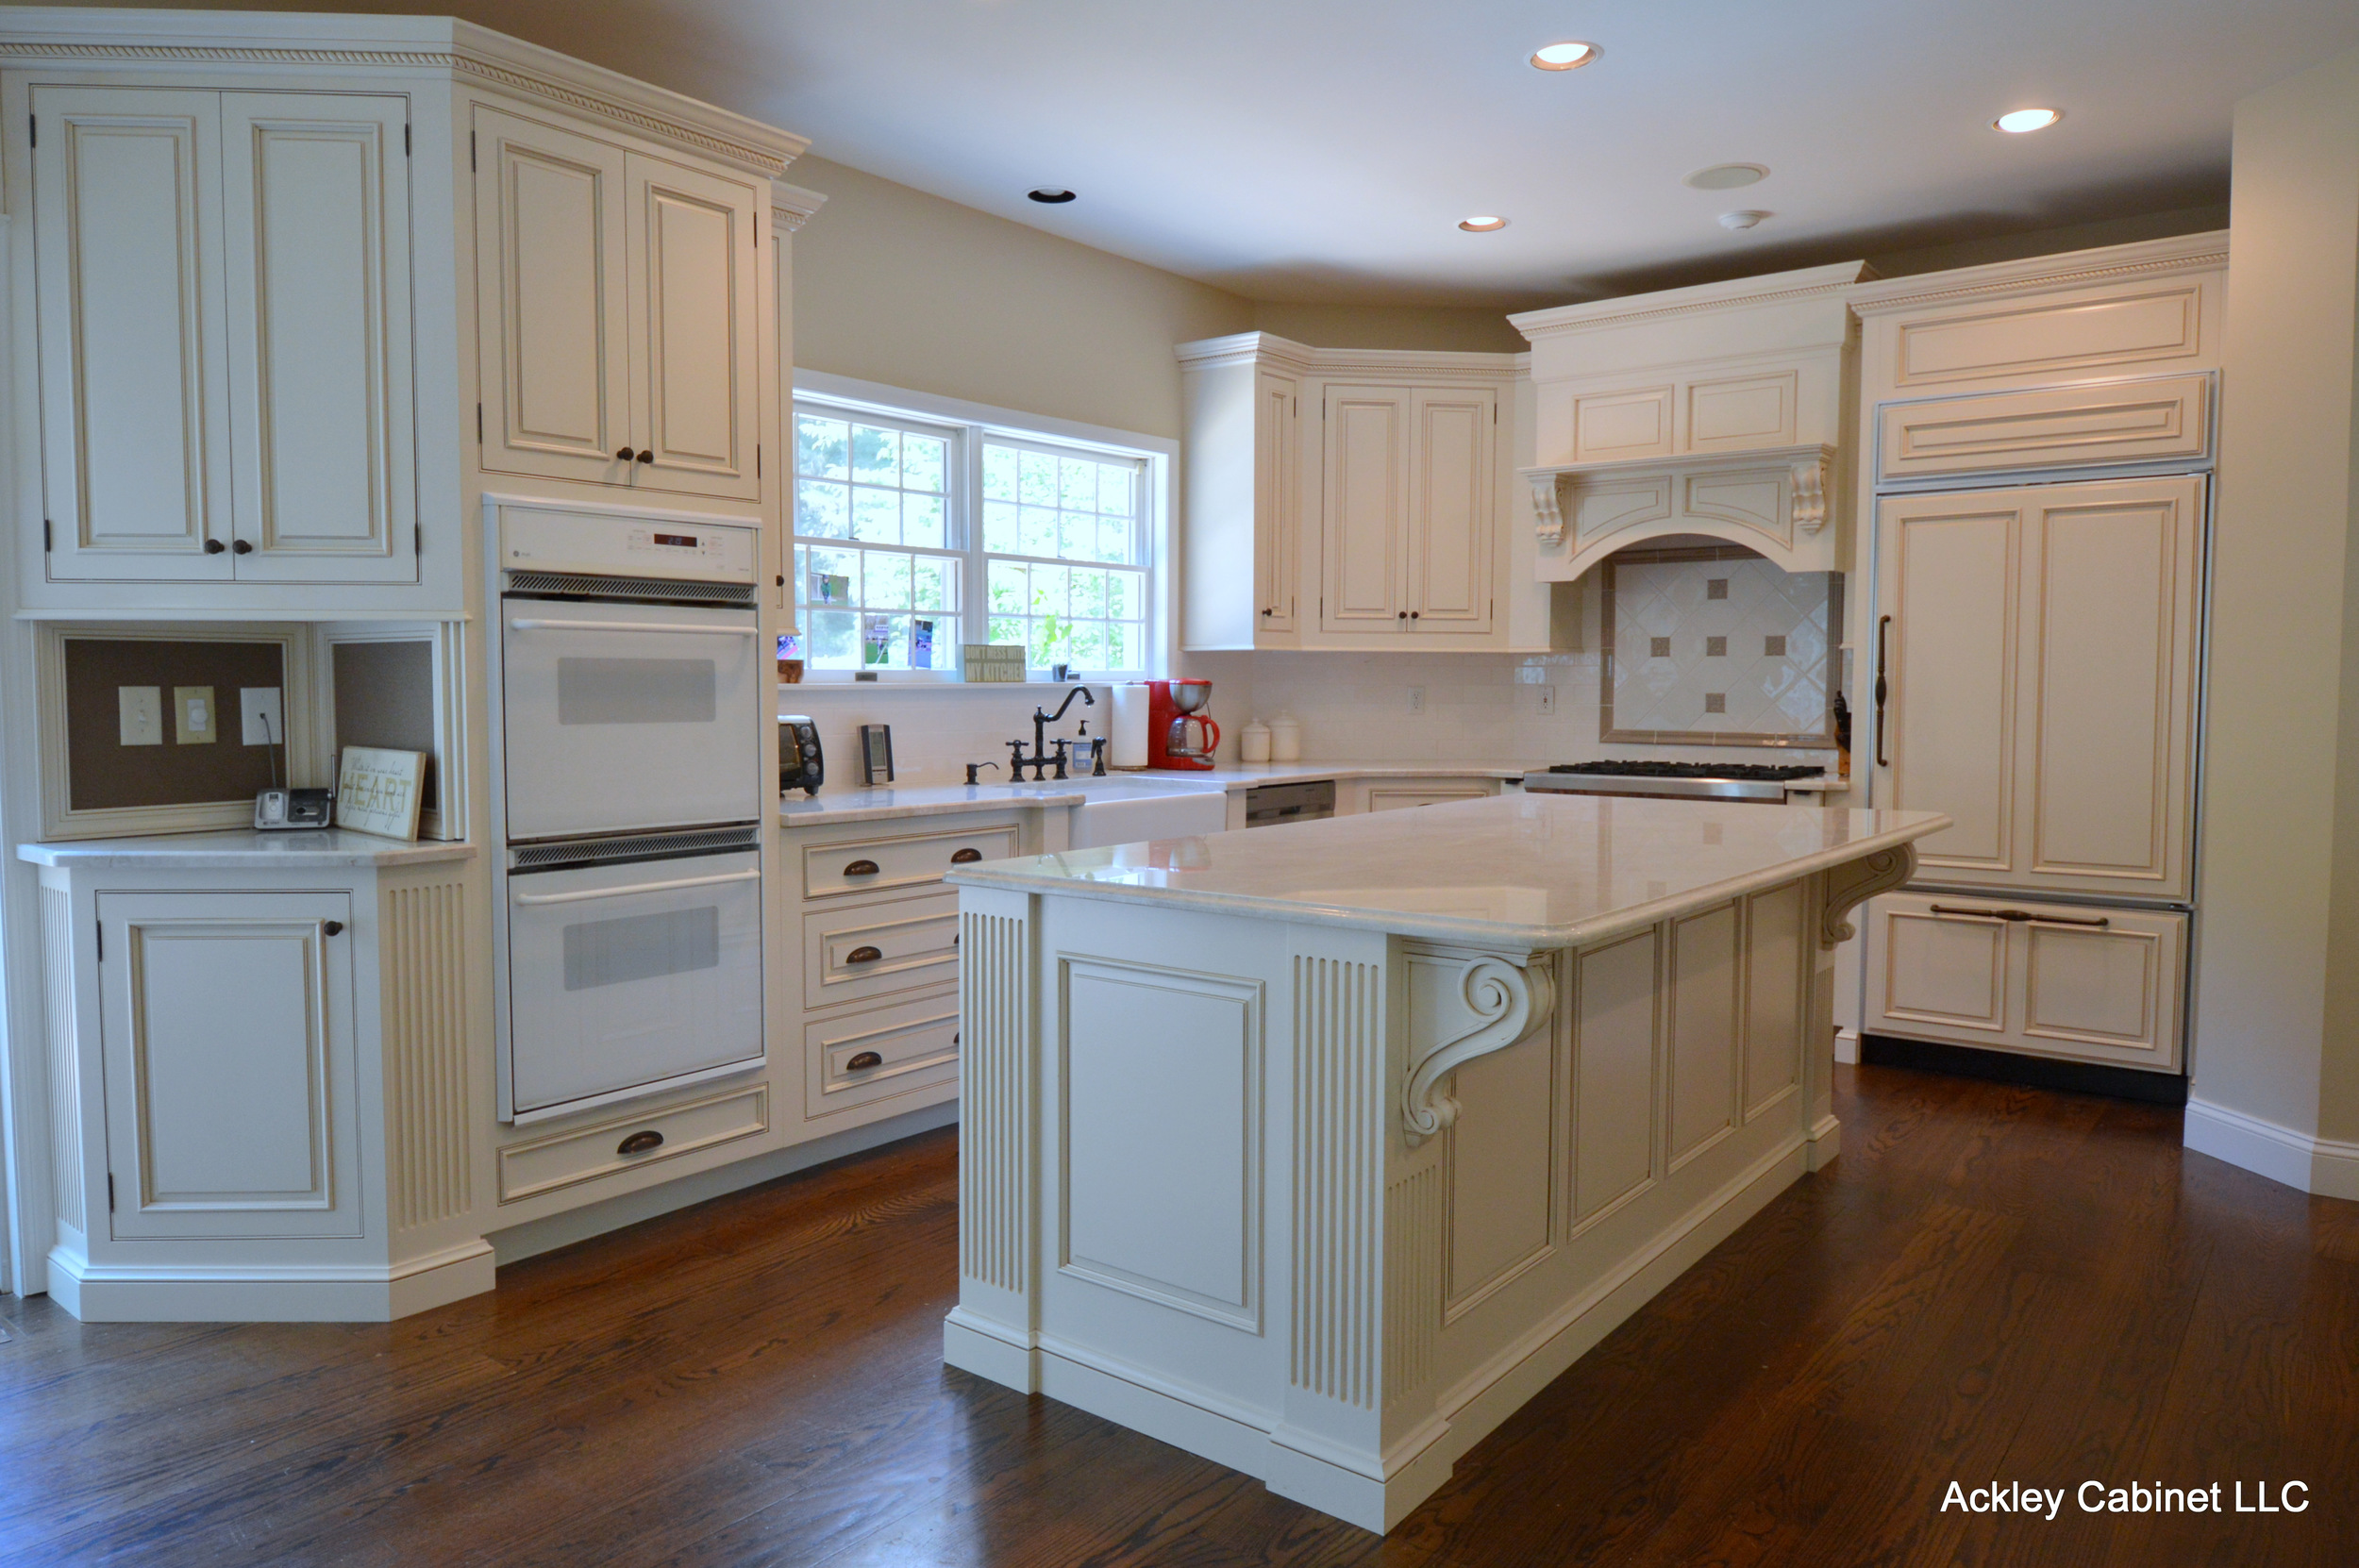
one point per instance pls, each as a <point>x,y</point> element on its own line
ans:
<point>564,538</point>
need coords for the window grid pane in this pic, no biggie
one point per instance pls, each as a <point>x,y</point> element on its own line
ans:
<point>866,609</point>
<point>1063,556</point>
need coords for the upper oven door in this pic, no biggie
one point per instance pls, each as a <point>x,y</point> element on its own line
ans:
<point>620,717</point>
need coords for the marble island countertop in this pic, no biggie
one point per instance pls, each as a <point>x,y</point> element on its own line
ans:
<point>242,848</point>
<point>1530,871</point>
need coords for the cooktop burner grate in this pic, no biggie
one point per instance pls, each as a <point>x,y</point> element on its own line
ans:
<point>1767,772</point>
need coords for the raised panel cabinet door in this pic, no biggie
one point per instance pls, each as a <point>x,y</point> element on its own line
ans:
<point>1943,733</point>
<point>1277,500</point>
<point>2108,662</point>
<point>315,204</point>
<point>227,1030</point>
<point>1450,526</point>
<point>552,335</point>
<point>693,349</point>
<point>1938,968</point>
<point>1365,510</point>
<point>2101,985</point>
<point>129,302</point>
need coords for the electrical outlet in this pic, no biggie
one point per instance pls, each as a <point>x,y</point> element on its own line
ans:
<point>261,724</point>
<point>192,715</point>
<point>140,715</point>
<point>1417,699</point>
<point>1546,695</point>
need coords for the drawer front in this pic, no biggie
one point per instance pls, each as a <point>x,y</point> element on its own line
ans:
<point>2076,981</point>
<point>885,1053</point>
<point>901,861</point>
<point>585,1154</point>
<point>1383,798</point>
<point>852,952</point>
<point>2155,419</point>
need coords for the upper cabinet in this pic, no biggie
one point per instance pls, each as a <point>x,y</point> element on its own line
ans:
<point>222,291</point>
<point>618,336</point>
<point>256,372</point>
<point>1367,490</point>
<point>1717,410</point>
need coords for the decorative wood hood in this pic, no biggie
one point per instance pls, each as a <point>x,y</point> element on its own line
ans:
<point>1718,410</point>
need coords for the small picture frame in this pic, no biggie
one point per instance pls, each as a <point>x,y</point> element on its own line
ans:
<point>377,790</point>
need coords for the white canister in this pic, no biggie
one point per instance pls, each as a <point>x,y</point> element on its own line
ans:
<point>1253,742</point>
<point>1285,739</point>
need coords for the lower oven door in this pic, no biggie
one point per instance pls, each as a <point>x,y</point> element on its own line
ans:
<point>625,979</point>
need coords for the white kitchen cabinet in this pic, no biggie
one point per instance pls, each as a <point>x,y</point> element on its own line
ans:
<point>617,332</point>
<point>2080,982</point>
<point>226,1020</point>
<point>1277,499</point>
<point>223,296</point>
<point>1409,517</point>
<point>2036,648</point>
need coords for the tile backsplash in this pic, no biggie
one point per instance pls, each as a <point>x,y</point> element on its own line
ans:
<point>1714,645</point>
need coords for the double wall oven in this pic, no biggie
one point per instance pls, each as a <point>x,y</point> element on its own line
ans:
<point>631,693</point>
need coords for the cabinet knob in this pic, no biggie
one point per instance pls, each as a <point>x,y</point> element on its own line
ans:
<point>333,927</point>
<point>242,547</point>
<point>624,455</point>
<point>1401,614</point>
<point>1412,615</point>
<point>863,1062</point>
<point>640,1142</point>
<point>860,868</point>
<point>214,546</point>
<point>646,455</point>
<point>967,856</point>
<point>863,954</point>
<point>1266,612</point>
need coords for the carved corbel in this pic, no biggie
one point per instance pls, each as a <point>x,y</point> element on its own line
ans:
<point>1547,511</point>
<point>1508,1001</point>
<point>1855,882</point>
<point>1810,495</point>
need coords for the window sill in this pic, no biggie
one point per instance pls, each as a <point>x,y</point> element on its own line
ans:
<point>939,688</point>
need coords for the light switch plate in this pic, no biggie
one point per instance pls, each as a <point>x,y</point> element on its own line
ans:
<point>261,721</point>
<point>140,714</point>
<point>193,720</point>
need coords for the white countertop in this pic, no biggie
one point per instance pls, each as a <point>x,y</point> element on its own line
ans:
<point>1522,870</point>
<point>839,804</point>
<point>241,849</point>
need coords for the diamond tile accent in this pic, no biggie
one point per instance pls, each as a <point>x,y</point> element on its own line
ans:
<point>1715,587</point>
<point>1710,645</point>
<point>1658,647</point>
<point>1716,647</point>
<point>1773,647</point>
<point>1715,702</point>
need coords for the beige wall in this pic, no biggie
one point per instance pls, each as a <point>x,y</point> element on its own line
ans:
<point>2277,1015</point>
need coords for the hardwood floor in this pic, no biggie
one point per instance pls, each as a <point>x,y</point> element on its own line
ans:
<point>1992,1285</point>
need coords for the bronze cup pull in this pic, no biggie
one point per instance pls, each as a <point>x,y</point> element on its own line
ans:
<point>860,868</point>
<point>965,856</point>
<point>863,1062</point>
<point>640,1142</point>
<point>863,954</point>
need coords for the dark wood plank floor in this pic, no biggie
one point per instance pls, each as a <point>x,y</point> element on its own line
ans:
<point>1992,1284</point>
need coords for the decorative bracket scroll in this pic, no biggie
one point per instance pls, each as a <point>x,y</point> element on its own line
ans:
<point>1548,512</point>
<point>1509,1000</point>
<point>1810,495</point>
<point>1855,882</point>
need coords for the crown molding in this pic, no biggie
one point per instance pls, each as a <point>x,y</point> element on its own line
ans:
<point>266,41</point>
<point>1736,293</point>
<point>2179,254</point>
<point>1425,365</point>
<point>792,206</point>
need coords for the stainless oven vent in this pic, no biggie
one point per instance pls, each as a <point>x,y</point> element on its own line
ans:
<point>668,590</point>
<point>623,849</point>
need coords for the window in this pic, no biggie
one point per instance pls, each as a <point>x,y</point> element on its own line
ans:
<point>913,536</point>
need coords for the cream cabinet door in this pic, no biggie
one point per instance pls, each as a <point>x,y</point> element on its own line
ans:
<point>1366,509</point>
<point>1449,512</point>
<point>1277,499</point>
<point>227,1028</point>
<point>315,230</point>
<point>695,353</point>
<point>553,333</point>
<point>129,306</point>
<point>2036,653</point>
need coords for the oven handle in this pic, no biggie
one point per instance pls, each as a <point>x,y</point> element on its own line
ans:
<point>630,625</point>
<point>636,886</point>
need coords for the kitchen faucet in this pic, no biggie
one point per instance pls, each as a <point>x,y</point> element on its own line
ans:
<point>1040,761</point>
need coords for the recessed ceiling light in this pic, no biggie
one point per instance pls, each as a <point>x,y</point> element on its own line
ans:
<point>2020,120</point>
<point>1483,224</point>
<point>1052,194</point>
<point>1745,219</point>
<point>1727,177</point>
<point>1565,56</point>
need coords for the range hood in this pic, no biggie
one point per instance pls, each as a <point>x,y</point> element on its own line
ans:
<point>1719,412</point>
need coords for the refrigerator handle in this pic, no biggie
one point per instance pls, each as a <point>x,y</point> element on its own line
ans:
<point>1884,689</point>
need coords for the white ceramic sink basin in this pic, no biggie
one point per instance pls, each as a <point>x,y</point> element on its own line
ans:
<point>1127,811</point>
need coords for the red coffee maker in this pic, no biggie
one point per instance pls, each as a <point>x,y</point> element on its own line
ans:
<point>1179,735</point>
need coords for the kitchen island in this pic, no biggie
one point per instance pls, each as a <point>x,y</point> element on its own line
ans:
<point>1318,1149</point>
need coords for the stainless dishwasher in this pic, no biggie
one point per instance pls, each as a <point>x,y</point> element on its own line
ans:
<point>1267,805</point>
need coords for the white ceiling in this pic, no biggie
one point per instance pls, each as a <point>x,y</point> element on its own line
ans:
<point>1325,149</point>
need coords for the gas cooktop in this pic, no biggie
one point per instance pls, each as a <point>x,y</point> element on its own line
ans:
<point>1694,770</point>
<point>1702,781</point>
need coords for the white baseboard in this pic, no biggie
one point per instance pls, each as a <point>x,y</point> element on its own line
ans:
<point>104,1293</point>
<point>2326,1166</point>
<point>1847,1046</point>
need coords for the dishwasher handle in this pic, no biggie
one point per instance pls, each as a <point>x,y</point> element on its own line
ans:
<point>673,886</point>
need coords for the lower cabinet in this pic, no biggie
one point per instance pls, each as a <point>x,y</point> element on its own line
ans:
<point>2079,982</point>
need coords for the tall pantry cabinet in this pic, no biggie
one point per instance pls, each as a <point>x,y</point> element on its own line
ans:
<point>2042,436</point>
